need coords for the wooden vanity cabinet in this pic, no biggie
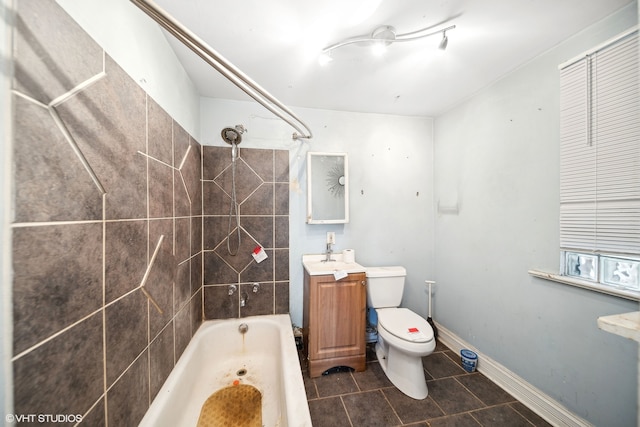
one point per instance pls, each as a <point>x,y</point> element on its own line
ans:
<point>334,321</point>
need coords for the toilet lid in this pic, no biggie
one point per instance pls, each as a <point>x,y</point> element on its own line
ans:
<point>405,324</point>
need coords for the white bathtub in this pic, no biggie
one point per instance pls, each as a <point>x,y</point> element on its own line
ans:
<point>212,360</point>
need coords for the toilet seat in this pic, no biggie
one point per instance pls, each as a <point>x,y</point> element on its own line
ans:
<point>405,324</point>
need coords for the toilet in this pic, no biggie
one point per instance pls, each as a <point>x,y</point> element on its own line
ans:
<point>404,337</point>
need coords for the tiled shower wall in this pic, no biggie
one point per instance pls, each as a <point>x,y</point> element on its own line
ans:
<point>262,192</point>
<point>108,196</point>
<point>105,183</point>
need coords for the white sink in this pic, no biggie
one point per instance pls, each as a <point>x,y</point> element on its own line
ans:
<point>315,265</point>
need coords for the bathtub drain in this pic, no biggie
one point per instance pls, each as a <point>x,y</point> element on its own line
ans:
<point>241,372</point>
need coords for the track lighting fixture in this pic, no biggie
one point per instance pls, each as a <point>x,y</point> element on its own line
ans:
<point>383,36</point>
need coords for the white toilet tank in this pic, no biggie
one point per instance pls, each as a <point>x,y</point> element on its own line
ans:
<point>385,286</point>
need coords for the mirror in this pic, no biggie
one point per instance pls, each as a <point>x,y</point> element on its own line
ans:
<point>327,188</point>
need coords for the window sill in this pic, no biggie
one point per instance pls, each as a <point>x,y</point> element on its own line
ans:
<point>609,290</point>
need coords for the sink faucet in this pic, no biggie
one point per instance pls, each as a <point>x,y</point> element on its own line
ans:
<point>328,253</point>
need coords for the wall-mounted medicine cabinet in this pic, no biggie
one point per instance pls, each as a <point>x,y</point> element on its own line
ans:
<point>327,188</point>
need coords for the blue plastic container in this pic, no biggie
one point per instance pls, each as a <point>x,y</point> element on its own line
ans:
<point>469,360</point>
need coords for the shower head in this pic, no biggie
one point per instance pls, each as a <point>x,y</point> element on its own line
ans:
<point>233,135</point>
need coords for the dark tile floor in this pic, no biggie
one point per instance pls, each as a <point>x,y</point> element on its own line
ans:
<point>456,398</point>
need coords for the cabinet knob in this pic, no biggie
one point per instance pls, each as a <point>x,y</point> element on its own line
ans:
<point>362,282</point>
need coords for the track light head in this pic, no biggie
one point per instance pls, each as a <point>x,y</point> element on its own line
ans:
<point>382,37</point>
<point>444,42</point>
<point>325,58</point>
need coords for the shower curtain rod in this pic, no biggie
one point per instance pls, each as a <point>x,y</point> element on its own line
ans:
<point>224,67</point>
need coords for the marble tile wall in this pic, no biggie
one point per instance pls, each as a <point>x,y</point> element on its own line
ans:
<point>98,191</point>
<point>262,192</point>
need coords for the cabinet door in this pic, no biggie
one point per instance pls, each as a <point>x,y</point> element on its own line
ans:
<point>338,325</point>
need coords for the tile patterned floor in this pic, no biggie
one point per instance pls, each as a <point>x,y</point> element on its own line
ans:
<point>456,398</point>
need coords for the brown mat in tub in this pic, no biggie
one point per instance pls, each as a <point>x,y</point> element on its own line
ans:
<point>234,406</point>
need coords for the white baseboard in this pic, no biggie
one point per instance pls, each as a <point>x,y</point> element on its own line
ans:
<point>540,403</point>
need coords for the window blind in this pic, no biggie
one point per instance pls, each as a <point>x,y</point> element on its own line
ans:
<point>600,150</point>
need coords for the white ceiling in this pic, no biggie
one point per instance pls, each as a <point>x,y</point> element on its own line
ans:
<point>277,42</point>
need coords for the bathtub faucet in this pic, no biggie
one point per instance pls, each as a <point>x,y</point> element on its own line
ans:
<point>244,299</point>
<point>243,328</point>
